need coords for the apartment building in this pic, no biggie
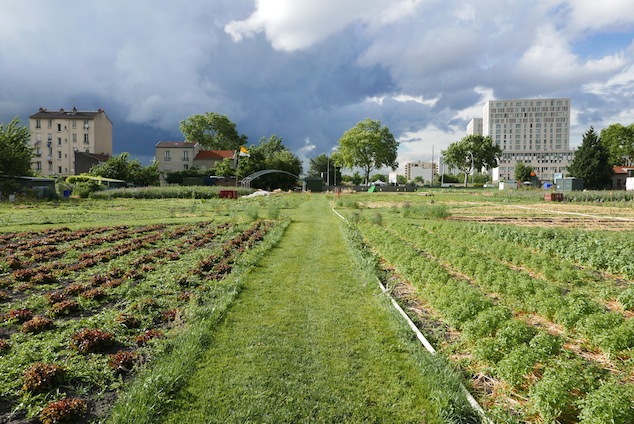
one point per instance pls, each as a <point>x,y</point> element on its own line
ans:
<point>56,135</point>
<point>426,170</point>
<point>535,132</point>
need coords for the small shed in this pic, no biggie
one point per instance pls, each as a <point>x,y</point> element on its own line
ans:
<point>314,184</point>
<point>39,184</point>
<point>569,184</point>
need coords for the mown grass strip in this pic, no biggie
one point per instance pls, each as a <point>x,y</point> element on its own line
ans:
<point>310,339</point>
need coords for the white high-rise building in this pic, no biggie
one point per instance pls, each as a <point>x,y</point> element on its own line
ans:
<point>532,131</point>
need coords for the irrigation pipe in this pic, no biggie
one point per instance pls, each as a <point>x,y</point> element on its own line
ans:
<point>474,403</point>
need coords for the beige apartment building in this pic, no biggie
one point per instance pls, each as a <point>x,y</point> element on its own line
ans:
<point>535,132</point>
<point>56,135</point>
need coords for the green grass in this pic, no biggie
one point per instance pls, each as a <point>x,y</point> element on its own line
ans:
<point>308,339</point>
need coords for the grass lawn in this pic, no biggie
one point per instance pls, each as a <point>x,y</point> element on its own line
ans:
<point>310,339</point>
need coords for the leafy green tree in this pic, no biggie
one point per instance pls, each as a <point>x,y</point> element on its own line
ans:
<point>15,152</point>
<point>592,162</point>
<point>225,168</point>
<point>523,172</point>
<point>213,131</point>
<point>120,167</point>
<point>270,154</point>
<point>322,165</point>
<point>473,152</point>
<point>377,177</point>
<point>401,180</point>
<point>620,143</point>
<point>368,146</point>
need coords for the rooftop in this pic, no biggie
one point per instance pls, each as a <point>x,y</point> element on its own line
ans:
<point>65,114</point>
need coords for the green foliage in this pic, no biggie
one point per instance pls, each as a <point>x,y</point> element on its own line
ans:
<point>84,189</point>
<point>523,172</point>
<point>225,168</point>
<point>556,395</point>
<point>15,152</point>
<point>321,165</point>
<point>592,162</point>
<point>619,141</point>
<point>271,154</point>
<point>176,177</point>
<point>368,146</point>
<point>120,167</point>
<point>486,323</point>
<point>427,211</point>
<point>627,298</point>
<point>172,192</point>
<point>213,131</point>
<point>610,403</point>
<point>473,152</point>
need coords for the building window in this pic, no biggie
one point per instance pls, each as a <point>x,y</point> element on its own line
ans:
<point>185,166</point>
<point>38,137</point>
<point>38,124</point>
<point>86,139</point>
<point>50,123</point>
<point>59,127</point>
<point>86,124</point>
<point>74,138</point>
<point>185,155</point>
<point>59,154</point>
<point>59,169</point>
<point>74,123</point>
<point>168,155</point>
<point>38,166</point>
<point>59,141</point>
<point>50,137</point>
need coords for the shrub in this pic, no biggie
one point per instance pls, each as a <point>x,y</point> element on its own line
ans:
<point>37,324</point>
<point>87,341</point>
<point>611,403</point>
<point>63,411</point>
<point>39,377</point>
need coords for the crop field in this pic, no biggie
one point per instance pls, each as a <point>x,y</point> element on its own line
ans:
<point>532,300</point>
<point>82,309</point>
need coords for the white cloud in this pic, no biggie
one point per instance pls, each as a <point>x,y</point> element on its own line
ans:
<point>296,24</point>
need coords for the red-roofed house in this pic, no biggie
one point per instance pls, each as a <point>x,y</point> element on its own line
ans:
<point>622,178</point>
<point>179,155</point>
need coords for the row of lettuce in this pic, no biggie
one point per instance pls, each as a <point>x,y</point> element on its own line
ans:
<point>80,310</point>
<point>534,310</point>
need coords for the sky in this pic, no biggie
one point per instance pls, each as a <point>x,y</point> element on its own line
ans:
<point>308,70</point>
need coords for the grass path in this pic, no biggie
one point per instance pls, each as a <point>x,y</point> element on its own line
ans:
<point>308,340</point>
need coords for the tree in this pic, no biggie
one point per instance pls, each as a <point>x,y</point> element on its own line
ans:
<point>213,131</point>
<point>225,168</point>
<point>592,162</point>
<point>15,152</point>
<point>324,166</point>
<point>523,172</point>
<point>368,146</point>
<point>271,154</point>
<point>471,153</point>
<point>620,143</point>
<point>120,167</point>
